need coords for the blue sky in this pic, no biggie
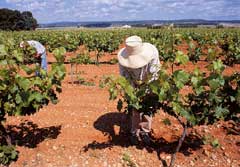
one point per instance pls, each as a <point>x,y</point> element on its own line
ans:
<point>47,11</point>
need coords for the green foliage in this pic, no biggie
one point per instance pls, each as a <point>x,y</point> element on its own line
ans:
<point>215,143</point>
<point>113,61</point>
<point>81,59</point>
<point>194,43</point>
<point>231,48</point>
<point>120,86</point>
<point>101,42</point>
<point>180,78</point>
<point>59,54</point>
<point>127,159</point>
<point>194,51</point>
<point>82,81</point>
<point>22,92</point>
<point>167,122</point>
<point>15,20</point>
<point>181,58</point>
<point>7,154</point>
<point>208,102</point>
<point>29,53</point>
<point>209,139</point>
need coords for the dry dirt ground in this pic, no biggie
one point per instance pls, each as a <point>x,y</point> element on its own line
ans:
<point>83,130</point>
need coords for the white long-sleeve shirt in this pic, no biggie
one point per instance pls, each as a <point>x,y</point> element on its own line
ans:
<point>37,45</point>
<point>142,73</point>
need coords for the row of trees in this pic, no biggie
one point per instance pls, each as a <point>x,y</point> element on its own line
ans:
<point>15,20</point>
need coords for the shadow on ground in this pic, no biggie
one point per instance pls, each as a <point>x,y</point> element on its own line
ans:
<point>114,126</point>
<point>28,134</point>
<point>107,124</point>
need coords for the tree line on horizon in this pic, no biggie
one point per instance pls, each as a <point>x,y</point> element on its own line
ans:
<point>12,20</point>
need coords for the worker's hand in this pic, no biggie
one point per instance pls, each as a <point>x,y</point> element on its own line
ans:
<point>138,83</point>
<point>37,55</point>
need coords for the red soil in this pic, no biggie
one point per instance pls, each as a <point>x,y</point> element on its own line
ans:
<point>83,130</point>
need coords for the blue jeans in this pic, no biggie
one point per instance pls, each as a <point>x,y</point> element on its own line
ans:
<point>43,63</point>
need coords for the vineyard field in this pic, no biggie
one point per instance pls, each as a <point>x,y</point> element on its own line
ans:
<point>198,90</point>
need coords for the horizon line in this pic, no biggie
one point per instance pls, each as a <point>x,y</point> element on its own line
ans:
<point>227,20</point>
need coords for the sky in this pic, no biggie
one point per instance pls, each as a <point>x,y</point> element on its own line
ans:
<point>47,11</point>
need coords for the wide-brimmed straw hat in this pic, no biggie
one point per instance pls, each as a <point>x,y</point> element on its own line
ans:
<point>136,53</point>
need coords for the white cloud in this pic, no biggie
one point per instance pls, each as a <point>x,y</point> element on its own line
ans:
<point>85,10</point>
<point>13,1</point>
